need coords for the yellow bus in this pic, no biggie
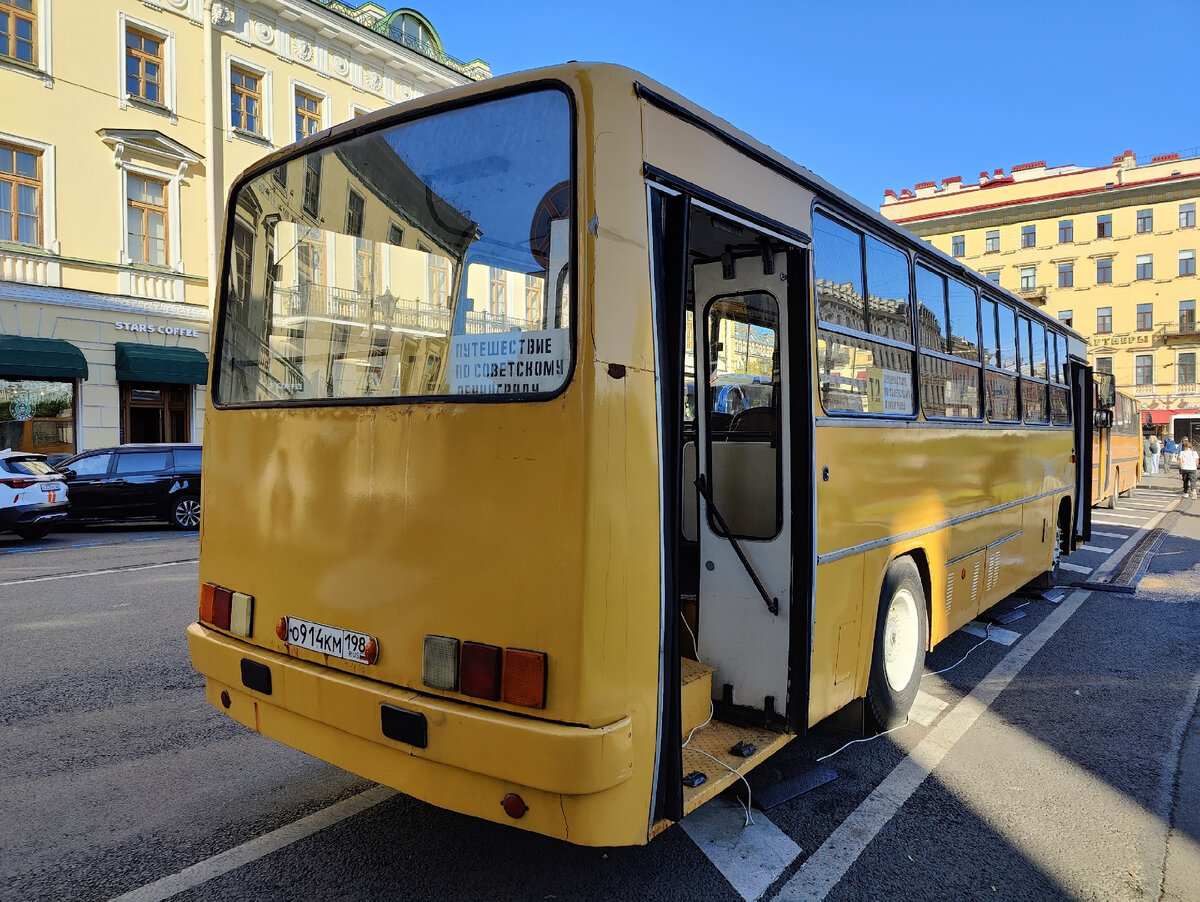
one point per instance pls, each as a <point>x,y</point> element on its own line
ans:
<point>482,519</point>
<point>1116,443</point>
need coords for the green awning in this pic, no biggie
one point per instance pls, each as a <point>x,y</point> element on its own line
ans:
<point>150,363</point>
<point>40,358</point>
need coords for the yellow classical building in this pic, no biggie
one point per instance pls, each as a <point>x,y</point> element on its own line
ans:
<point>1110,250</point>
<point>122,125</point>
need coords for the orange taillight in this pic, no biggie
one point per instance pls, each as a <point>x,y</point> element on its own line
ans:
<point>524,678</point>
<point>207,590</point>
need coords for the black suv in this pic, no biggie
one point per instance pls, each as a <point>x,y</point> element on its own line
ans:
<point>135,482</point>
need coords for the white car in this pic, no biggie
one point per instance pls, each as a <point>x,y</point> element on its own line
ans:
<point>33,495</point>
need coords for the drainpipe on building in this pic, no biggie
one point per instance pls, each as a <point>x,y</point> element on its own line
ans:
<point>210,152</point>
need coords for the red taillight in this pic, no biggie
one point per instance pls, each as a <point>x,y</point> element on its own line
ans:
<point>222,607</point>
<point>479,671</point>
<point>514,806</point>
<point>525,677</point>
<point>281,628</point>
<point>15,483</point>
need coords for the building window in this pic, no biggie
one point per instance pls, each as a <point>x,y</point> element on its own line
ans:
<point>1028,278</point>
<point>1187,216</point>
<point>1185,368</point>
<point>1145,221</point>
<point>1066,275</point>
<point>354,214</point>
<point>1187,316</point>
<point>1145,266</point>
<point>1145,317</point>
<point>146,220</point>
<point>438,272</point>
<point>312,183</point>
<point>243,254</point>
<point>18,30</point>
<point>143,65</point>
<point>1067,318</point>
<point>1187,263</point>
<point>1028,236</point>
<point>245,100</point>
<point>991,242</point>
<point>958,245</point>
<point>497,291</point>
<point>1104,226</point>
<point>20,195</point>
<point>1104,319</point>
<point>993,276</point>
<point>1066,231</point>
<point>1104,271</point>
<point>395,235</point>
<point>1143,369</point>
<point>533,301</point>
<point>1104,365</point>
<point>308,115</point>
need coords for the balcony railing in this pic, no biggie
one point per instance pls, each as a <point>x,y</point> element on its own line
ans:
<point>1186,330</point>
<point>406,314</point>
<point>1035,295</point>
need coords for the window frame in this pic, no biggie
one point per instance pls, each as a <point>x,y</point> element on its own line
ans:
<point>168,105</point>
<point>266,114</point>
<point>321,119</point>
<point>1187,215</point>
<point>146,208</point>
<point>958,246</point>
<point>1180,368</point>
<point>1028,236</point>
<point>1145,221</point>
<point>1143,369</point>
<point>1104,266</point>
<point>1066,231</point>
<point>43,22</point>
<point>1144,271</point>
<point>1187,262</point>
<point>1066,275</point>
<point>991,241</point>
<point>1104,319</point>
<point>1145,317</point>
<point>47,217</point>
<point>1104,225</point>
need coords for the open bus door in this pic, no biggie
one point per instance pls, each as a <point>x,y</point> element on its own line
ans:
<point>1082,389</point>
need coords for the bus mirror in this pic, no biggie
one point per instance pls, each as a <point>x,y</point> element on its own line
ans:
<point>1102,419</point>
<point>1106,391</point>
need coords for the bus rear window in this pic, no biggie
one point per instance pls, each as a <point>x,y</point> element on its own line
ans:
<point>426,259</point>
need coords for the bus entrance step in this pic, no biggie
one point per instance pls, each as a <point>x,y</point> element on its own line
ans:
<point>716,741</point>
<point>697,694</point>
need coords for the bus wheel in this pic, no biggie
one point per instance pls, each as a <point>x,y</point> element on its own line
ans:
<point>1112,499</point>
<point>901,634</point>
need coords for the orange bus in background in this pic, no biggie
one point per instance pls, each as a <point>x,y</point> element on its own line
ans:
<point>1116,444</point>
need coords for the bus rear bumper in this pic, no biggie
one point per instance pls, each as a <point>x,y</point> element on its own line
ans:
<point>338,717</point>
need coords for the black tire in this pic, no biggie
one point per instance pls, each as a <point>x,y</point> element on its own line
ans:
<point>898,654</point>
<point>33,533</point>
<point>185,512</point>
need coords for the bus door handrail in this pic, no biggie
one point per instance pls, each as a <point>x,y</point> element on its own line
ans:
<point>771,602</point>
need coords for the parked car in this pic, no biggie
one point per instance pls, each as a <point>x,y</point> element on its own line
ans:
<point>135,482</point>
<point>32,494</point>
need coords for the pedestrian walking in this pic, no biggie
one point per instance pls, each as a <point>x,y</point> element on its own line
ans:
<point>1189,460</point>
<point>1171,450</point>
<point>1155,452</point>
<point>1149,444</point>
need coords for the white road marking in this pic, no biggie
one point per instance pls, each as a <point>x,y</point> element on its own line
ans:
<point>1111,535</point>
<point>822,872</point>
<point>1106,519</point>
<point>44,579</point>
<point>1074,568</point>
<point>751,857</point>
<point>210,868</point>
<point>926,708</point>
<point>1098,548</point>
<point>826,867</point>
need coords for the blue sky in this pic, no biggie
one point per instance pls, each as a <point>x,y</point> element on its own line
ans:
<point>873,95</point>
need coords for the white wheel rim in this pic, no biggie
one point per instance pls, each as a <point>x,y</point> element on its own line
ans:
<point>900,640</point>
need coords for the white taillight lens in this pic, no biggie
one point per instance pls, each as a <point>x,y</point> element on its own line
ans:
<point>241,614</point>
<point>439,663</point>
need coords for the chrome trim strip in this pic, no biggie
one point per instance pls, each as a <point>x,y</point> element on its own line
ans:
<point>987,547</point>
<point>830,556</point>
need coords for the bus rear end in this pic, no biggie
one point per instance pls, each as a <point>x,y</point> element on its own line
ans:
<point>405,567</point>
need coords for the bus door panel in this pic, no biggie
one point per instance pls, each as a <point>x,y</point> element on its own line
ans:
<point>742,456</point>
<point>1081,413</point>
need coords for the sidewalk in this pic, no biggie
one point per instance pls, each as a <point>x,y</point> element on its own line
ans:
<point>1174,575</point>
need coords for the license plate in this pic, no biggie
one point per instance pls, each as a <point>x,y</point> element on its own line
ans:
<point>328,640</point>
<point>50,487</point>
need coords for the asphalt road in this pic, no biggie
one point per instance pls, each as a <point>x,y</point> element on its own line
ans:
<point>1065,765</point>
